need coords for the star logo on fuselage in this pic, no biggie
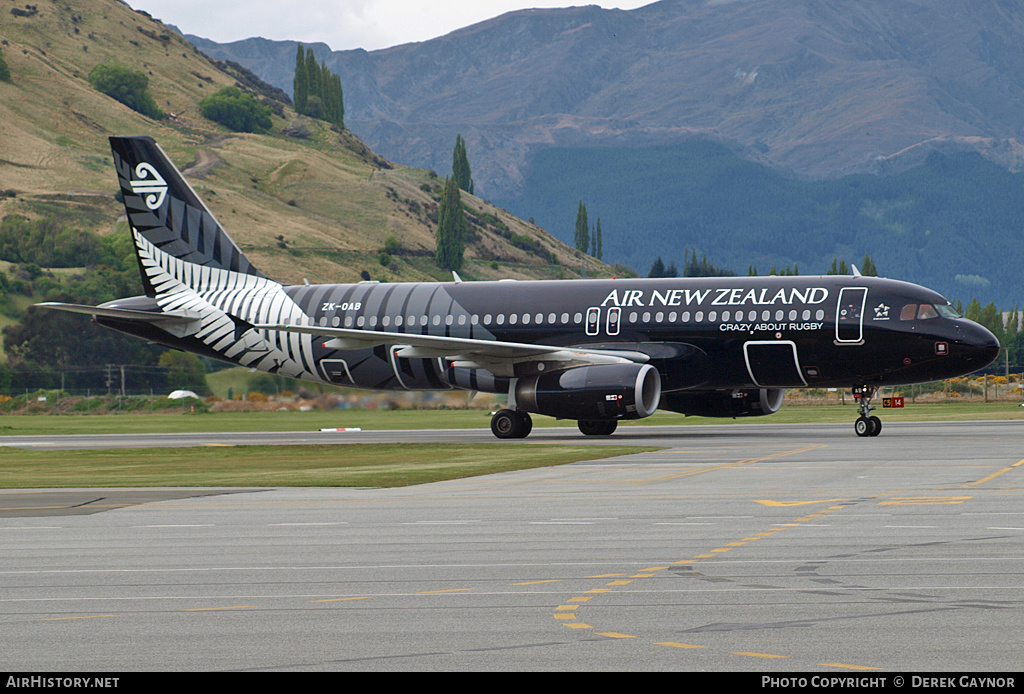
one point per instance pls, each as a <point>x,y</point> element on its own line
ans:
<point>881,312</point>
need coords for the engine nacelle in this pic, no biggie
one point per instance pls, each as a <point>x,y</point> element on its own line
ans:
<point>753,402</point>
<point>600,392</point>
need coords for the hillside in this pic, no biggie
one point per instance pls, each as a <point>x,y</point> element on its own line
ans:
<point>320,206</point>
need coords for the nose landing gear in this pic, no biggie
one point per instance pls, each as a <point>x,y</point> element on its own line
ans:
<point>867,424</point>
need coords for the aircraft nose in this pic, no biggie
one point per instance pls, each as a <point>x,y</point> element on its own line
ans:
<point>982,346</point>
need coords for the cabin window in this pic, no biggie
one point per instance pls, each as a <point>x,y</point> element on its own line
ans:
<point>725,316</point>
<point>500,319</point>
<point>659,317</point>
<point>436,320</point>
<point>698,317</point>
<point>780,314</point>
<point>373,321</point>
<point>552,318</point>
<point>672,317</point>
<point>807,314</point>
<point>792,314</point>
<point>386,321</point>
<point>398,321</point>
<point>539,318</point>
<point>685,317</point>
<point>712,316</point>
<point>361,321</point>
<point>513,319</point>
<point>565,318</point>
<point>647,316</point>
<point>819,314</point>
<point>766,315</point>
<point>752,316</point>
<point>577,318</point>
<point>474,319</point>
<point>462,319</point>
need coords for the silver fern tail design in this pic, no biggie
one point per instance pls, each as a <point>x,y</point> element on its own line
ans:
<point>190,265</point>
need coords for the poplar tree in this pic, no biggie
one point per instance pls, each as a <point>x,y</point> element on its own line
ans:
<point>460,166</point>
<point>301,81</point>
<point>597,243</point>
<point>582,229</point>
<point>452,229</point>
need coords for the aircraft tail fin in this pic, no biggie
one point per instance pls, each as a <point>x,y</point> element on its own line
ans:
<point>165,211</point>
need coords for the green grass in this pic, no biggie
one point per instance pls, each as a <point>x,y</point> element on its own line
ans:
<point>455,419</point>
<point>355,465</point>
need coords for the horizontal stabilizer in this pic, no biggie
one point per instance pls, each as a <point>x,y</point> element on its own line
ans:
<point>178,323</point>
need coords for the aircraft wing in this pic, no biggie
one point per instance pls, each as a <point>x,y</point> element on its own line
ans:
<point>496,356</point>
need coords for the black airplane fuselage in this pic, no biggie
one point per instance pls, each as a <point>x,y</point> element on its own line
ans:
<point>701,333</point>
<point>597,351</point>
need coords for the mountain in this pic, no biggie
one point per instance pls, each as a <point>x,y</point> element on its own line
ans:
<point>303,201</point>
<point>651,115</point>
<point>815,87</point>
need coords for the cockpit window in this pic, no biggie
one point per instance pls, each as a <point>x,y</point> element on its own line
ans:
<point>926,311</point>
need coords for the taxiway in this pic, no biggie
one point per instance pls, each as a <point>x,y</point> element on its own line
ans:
<point>777,548</point>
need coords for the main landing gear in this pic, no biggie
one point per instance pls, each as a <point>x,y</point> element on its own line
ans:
<point>597,427</point>
<point>867,424</point>
<point>511,424</point>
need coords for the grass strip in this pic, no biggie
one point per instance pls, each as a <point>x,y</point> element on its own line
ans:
<point>352,465</point>
<point>133,423</point>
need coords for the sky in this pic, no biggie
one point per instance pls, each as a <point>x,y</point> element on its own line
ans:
<point>341,24</point>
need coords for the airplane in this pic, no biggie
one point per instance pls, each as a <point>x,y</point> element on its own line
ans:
<point>597,351</point>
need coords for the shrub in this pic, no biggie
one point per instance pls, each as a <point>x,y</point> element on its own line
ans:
<point>127,86</point>
<point>237,110</point>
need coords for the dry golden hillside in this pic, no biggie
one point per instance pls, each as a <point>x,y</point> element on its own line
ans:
<point>319,207</point>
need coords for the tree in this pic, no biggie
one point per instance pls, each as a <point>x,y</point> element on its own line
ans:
<point>597,242</point>
<point>5,72</point>
<point>185,371</point>
<point>460,166</point>
<point>127,86</point>
<point>301,85</point>
<point>318,91</point>
<point>451,228</point>
<point>582,229</point>
<point>237,110</point>
<point>868,268</point>
<point>657,268</point>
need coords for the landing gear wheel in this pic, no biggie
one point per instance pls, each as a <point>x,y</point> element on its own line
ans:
<point>867,424</point>
<point>509,424</point>
<point>863,426</point>
<point>876,426</point>
<point>592,427</point>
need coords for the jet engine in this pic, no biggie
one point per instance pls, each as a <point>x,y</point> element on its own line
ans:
<point>751,402</point>
<point>599,392</point>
